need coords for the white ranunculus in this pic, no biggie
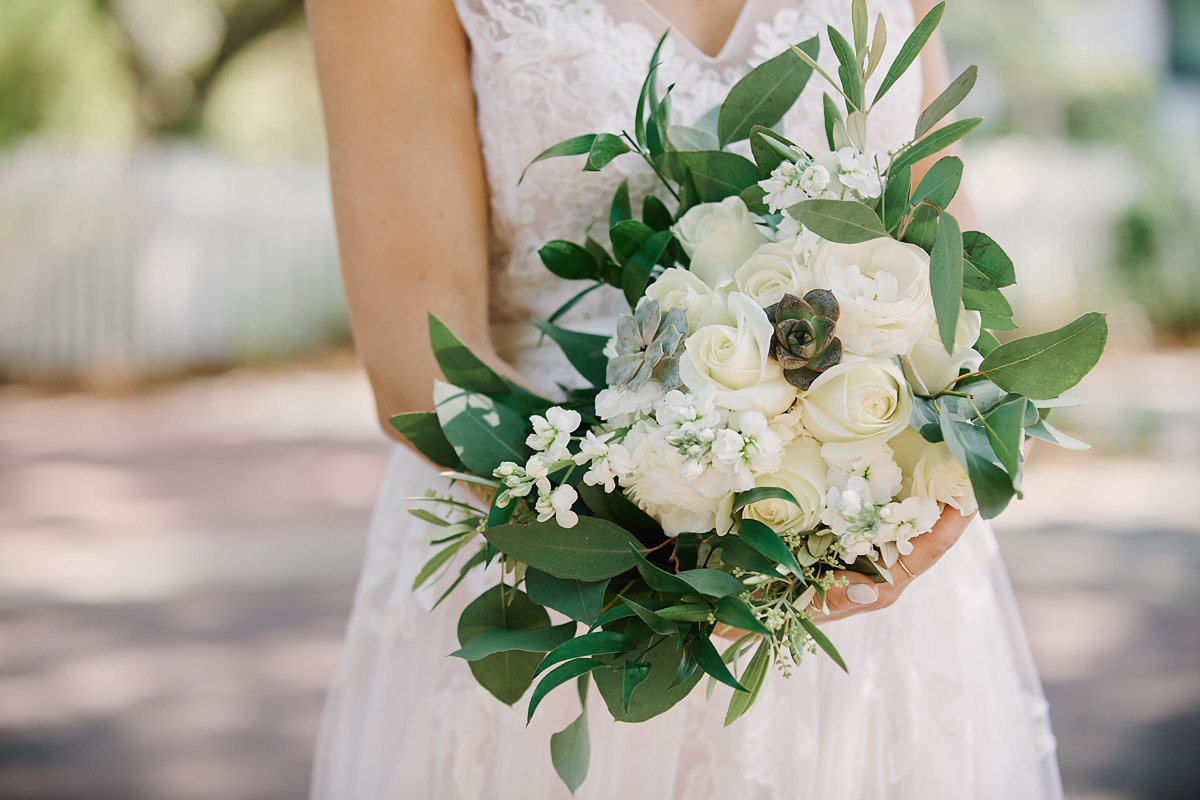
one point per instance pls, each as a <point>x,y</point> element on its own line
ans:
<point>734,361</point>
<point>679,288</point>
<point>718,237</point>
<point>882,289</point>
<point>929,368</point>
<point>802,472</point>
<point>932,471</point>
<point>856,405</point>
<point>770,273</point>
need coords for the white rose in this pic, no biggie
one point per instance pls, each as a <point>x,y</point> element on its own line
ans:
<point>932,471</point>
<point>718,237</point>
<point>803,473</point>
<point>679,288</point>
<point>770,273</point>
<point>734,361</point>
<point>929,368</point>
<point>882,289</point>
<point>856,405</point>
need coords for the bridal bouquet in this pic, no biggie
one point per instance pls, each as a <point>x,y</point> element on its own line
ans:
<point>806,378</point>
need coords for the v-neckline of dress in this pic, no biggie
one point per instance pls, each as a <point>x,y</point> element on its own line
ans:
<point>730,40</point>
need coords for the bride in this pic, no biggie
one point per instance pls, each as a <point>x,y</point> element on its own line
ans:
<point>433,109</point>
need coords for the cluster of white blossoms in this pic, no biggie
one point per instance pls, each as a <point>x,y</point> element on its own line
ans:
<point>845,174</point>
<point>843,448</point>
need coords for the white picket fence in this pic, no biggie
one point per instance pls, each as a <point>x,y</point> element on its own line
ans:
<point>172,258</point>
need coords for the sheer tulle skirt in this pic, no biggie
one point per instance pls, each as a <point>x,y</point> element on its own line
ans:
<point>942,701</point>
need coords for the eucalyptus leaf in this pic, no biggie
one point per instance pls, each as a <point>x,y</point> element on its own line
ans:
<point>736,553</point>
<point>570,752</point>
<point>616,507</point>
<point>659,624</point>
<point>660,580</point>
<point>766,541</point>
<point>658,692</point>
<point>579,600</point>
<point>685,138</point>
<point>635,673</point>
<point>940,183</point>
<point>969,443</point>
<point>734,612</point>
<point>851,78</point>
<point>764,94</point>
<point>946,277</point>
<point>843,221</point>
<point>896,198</point>
<point>833,117</point>
<point>557,677</point>
<point>505,674</point>
<point>594,643</point>
<point>988,257</point>
<point>709,660</point>
<point>499,640</point>
<point>769,149</point>
<point>592,550</point>
<point>716,174</point>
<point>878,45</point>
<point>712,582</point>
<point>483,433</point>
<point>922,227</point>
<point>424,432</point>
<point>1005,430</point>
<point>1048,364</point>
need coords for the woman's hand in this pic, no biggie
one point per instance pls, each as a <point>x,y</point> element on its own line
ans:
<point>861,594</point>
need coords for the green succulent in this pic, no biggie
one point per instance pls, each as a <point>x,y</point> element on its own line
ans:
<point>803,342</point>
<point>648,344</point>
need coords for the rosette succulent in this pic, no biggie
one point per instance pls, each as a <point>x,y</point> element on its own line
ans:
<point>647,345</point>
<point>803,342</point>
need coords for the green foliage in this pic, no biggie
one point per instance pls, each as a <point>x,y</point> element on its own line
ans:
<point>940,183</point>
<point>482,432</point>
<point>1048,364</point>
<point>459,364</point>
<point>752,679</point>
<point>911,49</point>
<point>593,550</point>
<point>735,613</point>
<point>570,752</point>
<point>505,674</point>
<point>843,221</point>
<point>595,643</point>
<point>767,542</point>
<point>946,277</point>
<point>946,102</point>
<point>424,432</point>
<point>933,143</point>
<point>583,350</point>
<point>579,600</point>
<point>657,693</point>
<point>764,94</point>
<point>498,640</point>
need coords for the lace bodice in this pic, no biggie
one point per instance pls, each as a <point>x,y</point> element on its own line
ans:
<point>547,70</point>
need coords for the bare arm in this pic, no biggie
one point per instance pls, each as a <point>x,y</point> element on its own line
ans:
<point>409,192</point>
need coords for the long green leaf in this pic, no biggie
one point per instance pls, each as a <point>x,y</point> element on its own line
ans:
<point>764,94</point>
<point>766,541</point>
<point>575,146</point>
<point>558,676</point>
<point>969,443</point>
<point>595,643</point>
<point>848,70</point>
<point>733,611</point>
<point>499,640</point>
<point>946,102</point>
<point>658,579</point>
<point>1048,364</point>
<point>709,660</point>
<point>752,679</point>
<point>823,641</point>
<point>636,276</point>
<point>716,174</point>
<point>935,142</point>
<point>635,673</point>
<point>592,550</point>
<point>843,221</point>
<point>940,183</point>
<point>760,493</point>
<point>585,351</point>
<point>911,49</point>
<point>712,582</point>
<point>658,624</point>
<point>946,278</point>
<point>1006,432</point>
<point>435,563</point>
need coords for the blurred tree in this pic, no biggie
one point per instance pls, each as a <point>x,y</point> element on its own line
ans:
<point>171,97</point>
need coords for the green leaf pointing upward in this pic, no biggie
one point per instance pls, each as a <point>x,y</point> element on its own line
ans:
<point>765,94</point>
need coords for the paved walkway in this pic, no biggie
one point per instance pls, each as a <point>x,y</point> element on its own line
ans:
<point>176,567</point>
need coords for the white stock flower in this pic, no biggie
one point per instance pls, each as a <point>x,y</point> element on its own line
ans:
<point>856,405</point>
<point>552,432</point>
<point>521,480</point>
<point>857,172</point>
<point>853,518</point>
<point>618,406</point>
<point>734,360</point>
<point>608,461</point>
<point>932,471</point>
<point>783,188</point>
<point>876,466</point>
<point>768,274</point>
<point>801,471</point>
<point>557,503</point>
<point>752,449</point>
<point>901,522</point>
<point>660,485</point>
<point>883,294</point>
<point>718,237</point>
<point>929,368</point>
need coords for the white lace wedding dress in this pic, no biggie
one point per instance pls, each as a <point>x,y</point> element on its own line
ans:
<point>942,699</point>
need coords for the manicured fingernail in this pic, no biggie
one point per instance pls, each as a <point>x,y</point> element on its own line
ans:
<point>862,593</point>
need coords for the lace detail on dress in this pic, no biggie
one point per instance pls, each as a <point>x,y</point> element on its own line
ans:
<point>546,70</point>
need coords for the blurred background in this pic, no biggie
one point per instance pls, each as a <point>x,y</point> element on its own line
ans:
<point>188,454</point>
